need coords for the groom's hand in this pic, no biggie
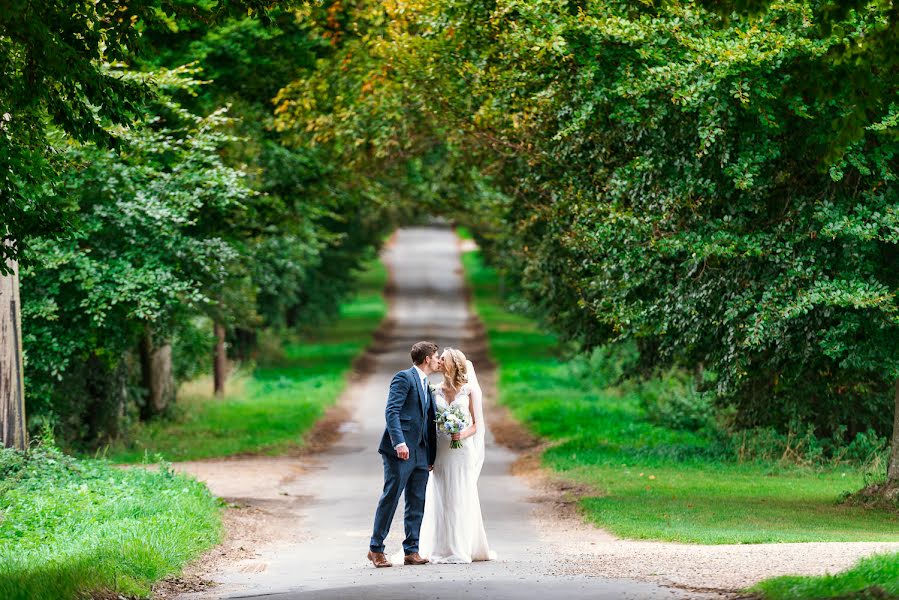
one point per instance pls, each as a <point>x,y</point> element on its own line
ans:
<point>430,467</point>
<point>402,452</point>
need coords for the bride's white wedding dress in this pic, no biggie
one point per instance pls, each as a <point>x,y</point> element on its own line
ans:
<point>452,530</point>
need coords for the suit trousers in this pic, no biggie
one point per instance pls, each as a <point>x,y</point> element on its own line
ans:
<point>408,476</point>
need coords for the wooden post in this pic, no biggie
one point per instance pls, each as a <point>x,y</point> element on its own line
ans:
<point>12,389</point>
<point>893,466</point>
<point>220,361</point>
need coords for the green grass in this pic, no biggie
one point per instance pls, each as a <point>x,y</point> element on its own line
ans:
<point>653,482</point>
<point>464,233</point>
<point>70,528</point>
<point>872,577</point>
<point>268,410</point>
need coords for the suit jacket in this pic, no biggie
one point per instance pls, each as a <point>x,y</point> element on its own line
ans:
<point>410,416</point>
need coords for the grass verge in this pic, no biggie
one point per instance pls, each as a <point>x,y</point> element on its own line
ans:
<point>655,482</point>
<point>269,409</point>
<point>875,577</point>
<point>73,528</point>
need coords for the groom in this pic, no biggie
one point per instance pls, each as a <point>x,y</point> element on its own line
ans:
<point>407,448</point>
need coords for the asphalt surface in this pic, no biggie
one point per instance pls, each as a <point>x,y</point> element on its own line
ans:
<point>340,487</point>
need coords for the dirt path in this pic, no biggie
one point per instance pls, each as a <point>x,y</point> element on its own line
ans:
<point>299,526</point>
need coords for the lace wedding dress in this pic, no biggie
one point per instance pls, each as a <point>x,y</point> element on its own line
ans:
<point>452,530</point>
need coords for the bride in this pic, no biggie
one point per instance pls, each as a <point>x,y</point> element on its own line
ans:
<point>452,530</point>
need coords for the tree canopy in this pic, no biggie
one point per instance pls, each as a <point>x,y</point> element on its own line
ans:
<point>712,182</point>
<point>149,195</point>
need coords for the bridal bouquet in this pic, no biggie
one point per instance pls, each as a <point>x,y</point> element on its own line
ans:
<point>451,420</point>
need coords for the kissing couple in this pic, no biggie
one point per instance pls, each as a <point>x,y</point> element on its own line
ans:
<point>439,474</point>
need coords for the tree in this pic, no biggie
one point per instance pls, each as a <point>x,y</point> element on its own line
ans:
<point>152,247</point>
<point>308,229</point>
<point>55,55</point>
<point>58,87</point>
<point>220,361</point>
<point>719,188</point>
<point>12,396</point>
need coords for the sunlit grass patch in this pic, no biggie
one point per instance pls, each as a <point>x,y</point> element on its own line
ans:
<point>875,577</point>
<point>72,527</point>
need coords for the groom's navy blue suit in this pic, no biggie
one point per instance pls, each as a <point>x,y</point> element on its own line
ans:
<point>410,420</point>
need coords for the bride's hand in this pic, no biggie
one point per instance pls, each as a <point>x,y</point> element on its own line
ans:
<point>465,433</point>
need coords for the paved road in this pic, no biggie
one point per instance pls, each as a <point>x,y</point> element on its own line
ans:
<point>341,487</point>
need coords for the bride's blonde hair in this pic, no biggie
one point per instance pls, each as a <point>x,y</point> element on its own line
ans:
<point>456,367</point>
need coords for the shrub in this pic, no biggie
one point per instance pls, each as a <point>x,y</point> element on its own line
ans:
<point>672,400</point>
<point>604,365</point>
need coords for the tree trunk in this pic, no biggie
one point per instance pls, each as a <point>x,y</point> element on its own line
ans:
<point>158,379</point>
<point>893,468</point>
<point>220,362</point>
<point>12,390</point>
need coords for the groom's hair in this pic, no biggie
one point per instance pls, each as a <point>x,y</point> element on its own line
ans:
<point>421,351</point>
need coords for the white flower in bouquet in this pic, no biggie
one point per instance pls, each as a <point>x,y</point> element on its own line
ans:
<point>451,420</point>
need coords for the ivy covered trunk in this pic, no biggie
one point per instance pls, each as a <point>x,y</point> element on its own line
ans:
<point>12,392</point>
<point>157,375</point>
<point>220,363</point>
<point>893,468</point>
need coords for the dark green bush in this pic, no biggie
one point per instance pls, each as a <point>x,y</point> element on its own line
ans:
<point>671,400</point>
<point>605,365</point>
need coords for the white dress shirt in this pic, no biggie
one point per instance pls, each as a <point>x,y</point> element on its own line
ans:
<point>424,390</point>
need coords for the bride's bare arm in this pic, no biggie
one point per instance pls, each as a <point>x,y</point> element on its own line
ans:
<point>474,395</point>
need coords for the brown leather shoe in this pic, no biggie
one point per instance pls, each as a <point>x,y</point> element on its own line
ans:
<point>378,559</point>
<point>415,559</point>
